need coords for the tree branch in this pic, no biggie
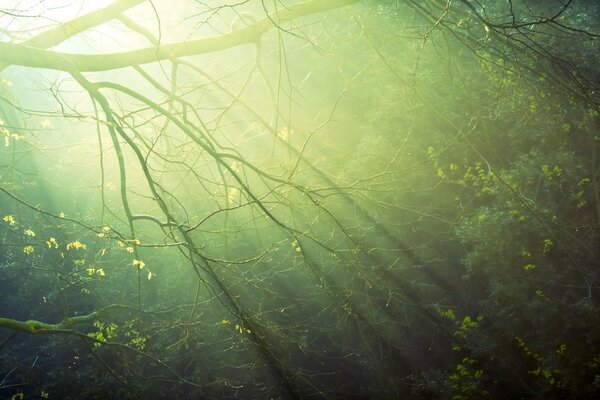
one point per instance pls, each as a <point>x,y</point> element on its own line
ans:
<point>18,54</point>
<point>36,327</point>
<point>64,31</point>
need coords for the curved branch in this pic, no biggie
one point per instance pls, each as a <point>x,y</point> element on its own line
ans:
<point>64,31</point>
<point>27,56</point>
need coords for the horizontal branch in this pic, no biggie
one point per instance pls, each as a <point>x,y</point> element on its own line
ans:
<point>35,327</point>
<point>19,54</point>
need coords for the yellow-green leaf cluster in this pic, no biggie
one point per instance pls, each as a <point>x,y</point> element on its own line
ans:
<point>75,245</point>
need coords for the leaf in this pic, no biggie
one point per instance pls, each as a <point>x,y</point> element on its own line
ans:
<point>76,245</point>
<point>548,244</point>
<point>529,267</point>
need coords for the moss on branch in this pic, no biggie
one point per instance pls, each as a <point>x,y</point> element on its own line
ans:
<point>36,327</point>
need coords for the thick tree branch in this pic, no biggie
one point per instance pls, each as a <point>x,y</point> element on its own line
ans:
<point>62,32</point>
<point>35,327</point>
<point>18,54</point>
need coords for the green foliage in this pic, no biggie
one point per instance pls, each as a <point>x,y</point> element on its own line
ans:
<point>104,332</point>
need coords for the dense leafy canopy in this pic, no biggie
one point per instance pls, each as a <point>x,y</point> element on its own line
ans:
<point>300,199</point>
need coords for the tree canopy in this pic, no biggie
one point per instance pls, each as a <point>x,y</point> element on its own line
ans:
<point>297,199</point>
